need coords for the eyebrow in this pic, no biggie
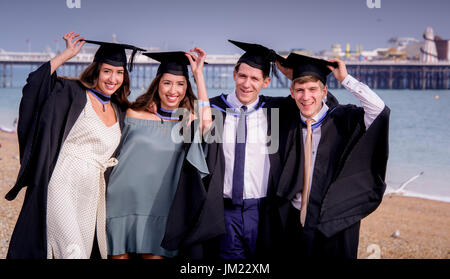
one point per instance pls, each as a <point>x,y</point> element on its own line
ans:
<point>110,69</point>
<point>302,89</point>
<point>182,81</point>
<point>250,76</point>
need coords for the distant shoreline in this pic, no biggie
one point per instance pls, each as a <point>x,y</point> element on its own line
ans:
<point>411,194</point>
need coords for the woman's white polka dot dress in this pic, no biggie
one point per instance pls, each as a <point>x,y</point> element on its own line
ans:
<point>76,192</point>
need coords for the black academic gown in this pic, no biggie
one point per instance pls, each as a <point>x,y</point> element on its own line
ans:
<point>48,110</point>
<point>196,219</point>
<point>347,184</point>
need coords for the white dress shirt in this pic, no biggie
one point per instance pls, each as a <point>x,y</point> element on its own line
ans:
<point>372,105</point>
<point>257,164</point>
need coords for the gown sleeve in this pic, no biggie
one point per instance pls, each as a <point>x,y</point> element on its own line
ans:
<point>358,189</point>
<point>196,156</point>
<point>189,222</point>
<point>38,88</point>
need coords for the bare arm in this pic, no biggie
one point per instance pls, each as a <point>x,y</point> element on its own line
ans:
<point>197,63</point>
<point>72,49</point>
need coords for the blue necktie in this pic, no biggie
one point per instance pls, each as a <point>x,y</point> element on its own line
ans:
<point>239,158</point>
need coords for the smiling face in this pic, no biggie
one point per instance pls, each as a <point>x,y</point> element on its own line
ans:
<point>249,81</point>
<point>308,96</point>
<point>171,90</point>
<point>110,78</point>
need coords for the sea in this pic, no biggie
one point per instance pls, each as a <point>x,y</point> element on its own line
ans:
<point>419,133</point>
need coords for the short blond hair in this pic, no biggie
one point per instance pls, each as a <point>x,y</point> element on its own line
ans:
<point>306,79</point>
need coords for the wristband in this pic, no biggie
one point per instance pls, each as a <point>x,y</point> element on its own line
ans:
<point>203,103</point>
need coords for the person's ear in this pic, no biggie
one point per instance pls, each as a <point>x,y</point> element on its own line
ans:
<point>266,82</point>
<point>325,91</point>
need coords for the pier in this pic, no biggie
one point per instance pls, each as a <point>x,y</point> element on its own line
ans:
<point>219,72</point>
<point>399,75</point>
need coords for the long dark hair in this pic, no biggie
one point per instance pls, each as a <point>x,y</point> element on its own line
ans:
<point>152,96</point>
<point>89,79</point>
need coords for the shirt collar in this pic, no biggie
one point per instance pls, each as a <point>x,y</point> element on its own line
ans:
<point>234,101</point>
<point>319,115</point>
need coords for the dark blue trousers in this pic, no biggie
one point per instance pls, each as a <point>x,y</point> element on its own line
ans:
<point>241,222</point>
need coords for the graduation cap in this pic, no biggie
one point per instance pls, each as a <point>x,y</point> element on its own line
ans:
<point>257,56</point>
<point>114,54</point>
<point>308,66</point>
<point>172,62</point>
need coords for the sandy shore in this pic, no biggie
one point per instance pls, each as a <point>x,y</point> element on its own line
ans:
<point>423,226</point>
<point>9,167</point>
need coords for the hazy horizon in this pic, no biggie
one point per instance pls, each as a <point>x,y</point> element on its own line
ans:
<point>179,25</point>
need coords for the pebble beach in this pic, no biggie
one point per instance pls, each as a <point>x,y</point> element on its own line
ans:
<point>401,228</point>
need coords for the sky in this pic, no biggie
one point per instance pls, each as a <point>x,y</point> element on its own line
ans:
<point>181,24</point>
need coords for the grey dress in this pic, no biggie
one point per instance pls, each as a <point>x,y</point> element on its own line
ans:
<point>142,186</point>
